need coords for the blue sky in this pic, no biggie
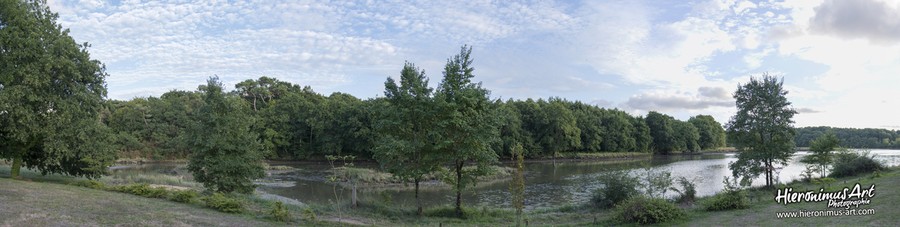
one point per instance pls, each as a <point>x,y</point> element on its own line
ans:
<point>839,59</point>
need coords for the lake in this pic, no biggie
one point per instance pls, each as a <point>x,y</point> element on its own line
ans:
<point>548,183</point>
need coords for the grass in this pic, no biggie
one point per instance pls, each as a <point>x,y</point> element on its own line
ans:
<point>41,203</point>
<point>763,207</point>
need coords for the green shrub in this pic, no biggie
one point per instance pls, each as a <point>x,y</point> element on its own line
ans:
<point>688,191</point>
<point>732,198</point>
<point>643,210</point>
<point>90,184</point>
<point>618,186</point>
<point>280,213</point>
<point>849,164</point>
<point>184,196</point>
<point>309,215</point>
<point>224,203</point>
<point>143,190</point>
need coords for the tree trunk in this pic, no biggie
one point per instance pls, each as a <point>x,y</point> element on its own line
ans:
<point>418,200</point>
<point>459,212</point>
<point>353,197</point>
<point>16,166</point>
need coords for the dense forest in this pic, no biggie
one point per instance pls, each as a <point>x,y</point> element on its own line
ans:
<point>296,123</point>
<point>851,137</point>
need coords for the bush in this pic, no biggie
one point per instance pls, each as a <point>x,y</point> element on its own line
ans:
<point>849,164</point>
<point>688,191</point>
<point>643,210</point>
<point>184,196</point>
<point>90,184</point>
<point>618,186</point>
<point>224,203</point>
<point>143,190</point>
<point>732,198</point>
<point>280,213</point>
<point>309,215</point>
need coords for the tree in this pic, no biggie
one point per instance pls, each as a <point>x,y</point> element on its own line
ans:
<point>661,131</point>
<point>227,155</point>
<point>642,139</point>
<point>761,129</point>
<point>711,133</point>
<point>821,151</point>
<point>588,120</point>
<point>686,136</point>
<point>619,131</point>
<point>558,131</point>
<point>51,94</point>
<point>466,126</point>
<point>405,144</point>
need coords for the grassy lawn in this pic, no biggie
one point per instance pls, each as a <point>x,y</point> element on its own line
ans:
<point>763,207</point>
<point>27,203</point>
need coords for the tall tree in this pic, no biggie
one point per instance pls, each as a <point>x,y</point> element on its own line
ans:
<point>821,151</point>
<point>686,136</point>
<point>619,131</point>
<point>51,94</point>
<point>227,155</point>
<point>558,130</point>
<point>761,129</point>
<point>712,135</point>
<point>661,131</point>
<point>405,144</point>
<point>642,139</point>
<point>466,125</point>
<point>588,120</point>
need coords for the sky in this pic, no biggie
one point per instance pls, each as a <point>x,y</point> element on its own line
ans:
<point>839,60</point>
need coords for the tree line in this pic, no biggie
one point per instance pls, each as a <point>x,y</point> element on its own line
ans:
<point>851,137</point>
<point>297,123</point>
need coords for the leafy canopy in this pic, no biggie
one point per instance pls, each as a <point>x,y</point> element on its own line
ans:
<point>51,93</point>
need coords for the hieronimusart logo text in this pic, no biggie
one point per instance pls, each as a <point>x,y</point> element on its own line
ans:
<point>845,198</point>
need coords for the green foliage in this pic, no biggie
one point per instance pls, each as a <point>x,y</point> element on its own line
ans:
<point>144,190</point>
<point>711,133</point>
<point>761,129</point>
<point>686,136</point>
<point>309,215</point>
<point>848,163</point>
<point>824,180</point>
<point>732,198</point>
<point>656,182</point>
<point>688,191</point>
<point>405,144</point>
<point>224,203</point>
<point>183,196</point>
<point>517,184</point>
<point>643,210</point>
<point>617,187</point>
<point>661,132</point>
<point>90,184</point>
<point>561,132</point>
<point>155,128</point>
<point>466,125</point>
<point>51,96</point>
<point>871,138</point>
<point>227,153</point>
<point>280,213</point>
<point>821,151</point>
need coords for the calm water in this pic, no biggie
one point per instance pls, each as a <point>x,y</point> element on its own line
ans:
<point>548,184</point>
